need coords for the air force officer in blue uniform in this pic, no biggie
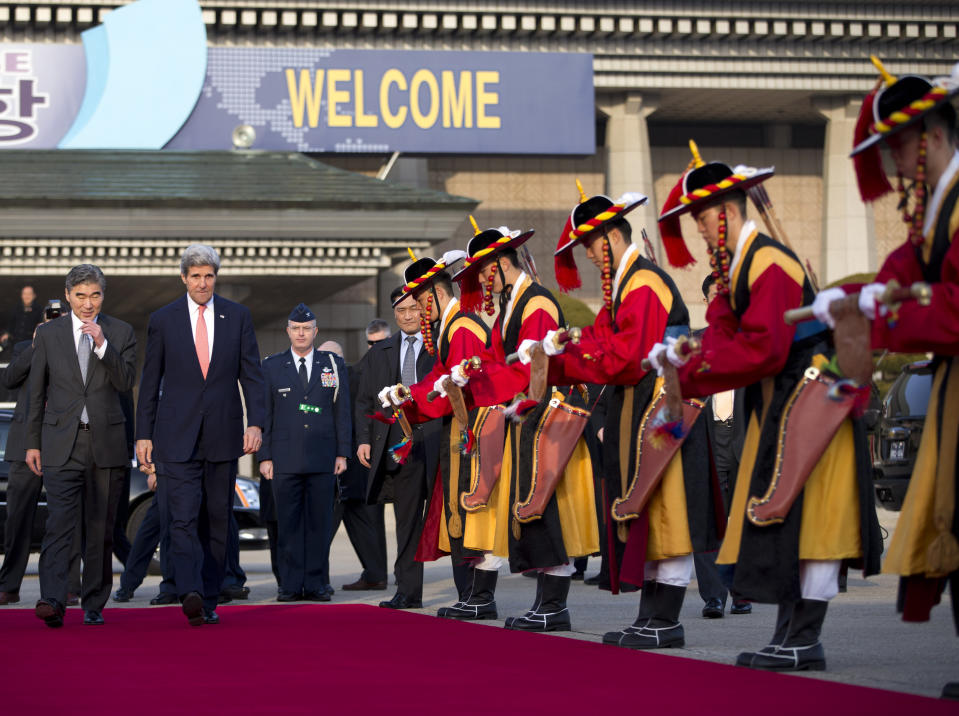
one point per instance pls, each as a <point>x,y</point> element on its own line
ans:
<point>305,443</point>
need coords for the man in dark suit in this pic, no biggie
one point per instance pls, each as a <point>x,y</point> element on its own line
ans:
<point>365,523</point>
<point>198,348</point>
<point>23,487</point>
<point>306,439</point>
<point>401,358</point>
<point>76,439</point>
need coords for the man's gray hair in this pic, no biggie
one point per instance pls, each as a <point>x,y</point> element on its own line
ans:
<point>199,255</point>
<point>377,325</point>
<point>86,273</point>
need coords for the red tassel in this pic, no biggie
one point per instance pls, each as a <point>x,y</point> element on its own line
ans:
<point>567,275</point>
<point>388,419</point>
<point>401,450</point>
<point>519,408</point>
<point>671,231</point>
<point>870,175</point>
<point>471,293</point>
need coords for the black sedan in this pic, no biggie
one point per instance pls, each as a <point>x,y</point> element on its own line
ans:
<point>246,503</point>
<point>895,432</point>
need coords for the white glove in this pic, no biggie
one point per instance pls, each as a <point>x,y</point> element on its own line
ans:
<point>549,345</point>
<point>384,397</point>
<point>672,355</point>
<point>524,351</point>
<point>868,303</point>
<point>458,376</point>
<point>657,357</point>
<point>820,305</point>
<point>396,398</point>
<point>439,387</point>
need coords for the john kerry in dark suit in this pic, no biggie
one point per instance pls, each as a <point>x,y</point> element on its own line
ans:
<point>190,418</point>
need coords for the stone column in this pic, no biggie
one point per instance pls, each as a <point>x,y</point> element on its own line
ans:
<point>849,231</point>
<point>629,165</point>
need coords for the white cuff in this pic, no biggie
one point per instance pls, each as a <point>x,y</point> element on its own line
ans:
<point>439,386</point>
<point>868,300</point>
<point>458,376</point>
<point>384,397</point>
<point>820,305</point>
<point>657,357</point>
<point>549,344</point>
<point>525,356</point>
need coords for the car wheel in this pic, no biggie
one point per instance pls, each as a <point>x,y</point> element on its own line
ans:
<point>133,524</point>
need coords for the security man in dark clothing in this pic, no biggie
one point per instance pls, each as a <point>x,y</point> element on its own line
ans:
<point>306,438</point>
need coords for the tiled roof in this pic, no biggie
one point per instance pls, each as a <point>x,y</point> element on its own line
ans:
<point>248,179</point>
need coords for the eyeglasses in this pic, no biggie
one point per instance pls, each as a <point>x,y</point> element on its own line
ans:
<point>372,343</point>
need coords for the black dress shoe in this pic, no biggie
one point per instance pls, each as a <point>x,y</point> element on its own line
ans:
<point>791,658</point>
<point>594,580</point>
<point>578,576</point>
<point>228,594</point>
<point>92,618</point>
<point>50,612</point>
<point>210,616</point>
<point>713,609</point>
<point>321,596</point>
<point>401,601</point>
<point>122,595</point>
<point>741,608</point>
<point>9,597</point>
<point>361,585</point>
<point>193,608</point>
<point>282,596</point>
<point>164,598</point>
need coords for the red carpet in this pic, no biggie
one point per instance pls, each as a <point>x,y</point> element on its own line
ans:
<point>357,659</point>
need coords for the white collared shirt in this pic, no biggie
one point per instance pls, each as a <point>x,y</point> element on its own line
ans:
<point>404,346</point>
<point>623,262</point>
<point>193,309</point>
<point>308,362</point>
<point>944,181</point>
<point>77,325</point>
<point>749,226</point>
<point>517,289</point>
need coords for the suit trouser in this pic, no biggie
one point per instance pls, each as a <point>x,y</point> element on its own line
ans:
<point>23,491</point>
<point>304,510</point>
<point>196,498</point>
<point>79,490</point>
<point>366,528</point>
<point>234,576</point>
<point>409,506</point>
<point>149,534</point>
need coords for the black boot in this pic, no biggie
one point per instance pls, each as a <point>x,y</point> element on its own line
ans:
<point>463,581</point>
<point>663,629</point>
<point>480,604</point>
<point>646,601</point>
<point>783,615</point>
<point>552,613</point>
<point>802,650</point>
<point>537,600</point>
<point>951,691</point>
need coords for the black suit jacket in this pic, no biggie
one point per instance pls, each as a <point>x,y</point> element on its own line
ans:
<point>351,485</point>
<point>382,368</point>
<point>57,393</point>
<point>14,377</point>
<point>189,405</point>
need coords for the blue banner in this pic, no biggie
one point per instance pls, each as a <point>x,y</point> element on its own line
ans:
<point>145,79</point>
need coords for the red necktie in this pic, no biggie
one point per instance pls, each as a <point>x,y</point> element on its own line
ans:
<point>202,343</point>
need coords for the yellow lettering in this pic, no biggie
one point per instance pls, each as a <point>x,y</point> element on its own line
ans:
<point>484,98</point>
<point>457,102</point>
<point>427,120</point>
<point>390,77</point>
<point>305,96</point>
<point>362,119</point>
<point>335,96</point>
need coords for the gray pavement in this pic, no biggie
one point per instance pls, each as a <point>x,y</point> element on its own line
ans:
<point>866,642</point>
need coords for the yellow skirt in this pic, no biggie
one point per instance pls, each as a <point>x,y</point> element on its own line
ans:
<point>931,488</point>
<point>829,529</point>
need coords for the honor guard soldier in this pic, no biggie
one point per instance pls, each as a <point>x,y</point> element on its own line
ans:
<point>794,559</point>
<point>306,438</point>
<point>641,305</point>
<point>548,538</point>
<point>452,336</point>
<point>914,118</point>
